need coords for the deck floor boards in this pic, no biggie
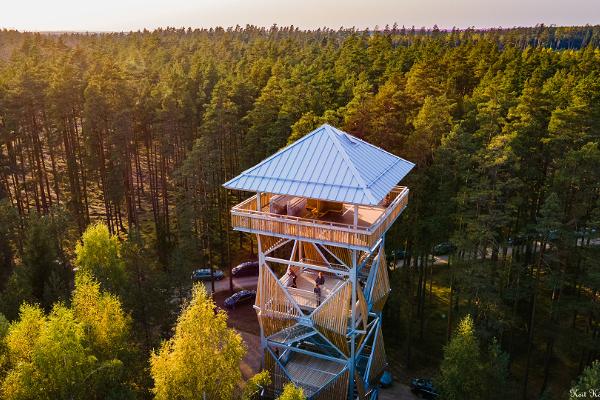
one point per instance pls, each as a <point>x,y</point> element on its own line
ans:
<point>305,284</point>
<point>310,372</point>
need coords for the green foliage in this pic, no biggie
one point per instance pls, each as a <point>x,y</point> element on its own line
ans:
<point>587,384</point>
<point>497,383</point>
<point>433,122</point>
<point>292,392</point>
<point>41,259</point>
<point>255,384</point>
<point>202,357</point>
<point>466,373</point>
<point>72,353</point>
<point>310,121</point>
<point>461,371</point>
<point>106,325</point>
<point>8,225</point>
<point>147,288</point>
<point>4,326</point>
<point>18,290</point>
<point>99,254</point>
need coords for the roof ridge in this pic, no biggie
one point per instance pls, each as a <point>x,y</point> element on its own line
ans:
<point>276,154</point>
<point>361,181</point>
<point>371,145</point>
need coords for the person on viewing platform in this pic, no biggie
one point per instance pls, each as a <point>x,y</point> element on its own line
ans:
<point>317,291</point>
<point>291,277</point>
<point>320,279</point>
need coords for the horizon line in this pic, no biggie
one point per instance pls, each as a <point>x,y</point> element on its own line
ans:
<point>375,28</point>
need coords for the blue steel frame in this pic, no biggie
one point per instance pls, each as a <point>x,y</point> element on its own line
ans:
<point>374,323</point>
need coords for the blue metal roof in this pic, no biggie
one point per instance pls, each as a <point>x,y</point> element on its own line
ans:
<point>327,164</point>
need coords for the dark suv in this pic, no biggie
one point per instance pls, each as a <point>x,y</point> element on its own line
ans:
<point>443,249</point>
<point>241,297</point>
<point>246,269</point>
<point>423,388</point>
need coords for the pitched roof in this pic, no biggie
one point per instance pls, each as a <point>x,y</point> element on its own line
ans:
<point>327,164</point>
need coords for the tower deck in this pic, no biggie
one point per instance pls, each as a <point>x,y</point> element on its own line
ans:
<point>332,227</point>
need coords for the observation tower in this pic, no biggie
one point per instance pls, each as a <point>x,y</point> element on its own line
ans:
<point>321,208</point>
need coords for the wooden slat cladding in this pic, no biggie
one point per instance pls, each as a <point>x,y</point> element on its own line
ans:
<point>360,386</point>
<point>362,311</point>
<point>342,253</point>
<point>267,242</point>
<point>392,212</point>
<point>301,229</point>
<point>362,314</point>
<point>331,318</point>
<point>311,254</point>
<point>245,217</point>
<point>272,324</point>
<point>381,286</point>
<point>378,361</point>
<point>276,311</point>
<point>338,389</point>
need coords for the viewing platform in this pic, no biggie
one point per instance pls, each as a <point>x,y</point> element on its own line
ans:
<point>333,226</point>
<point>304,294</point>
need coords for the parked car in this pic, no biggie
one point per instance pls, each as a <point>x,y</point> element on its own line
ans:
<point>586,233</point>
<point>241,297</point>
<point>423,388</point>
<point>443,248</point>
<point>245,269</point>
<point>386,379</point>
<point>203,274</point>
<point>517,240</point>
<point>398,254</point>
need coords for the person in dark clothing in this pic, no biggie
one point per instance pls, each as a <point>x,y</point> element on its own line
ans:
<point>317,291</point>
<point>320,281</point>
<point>292,275</point>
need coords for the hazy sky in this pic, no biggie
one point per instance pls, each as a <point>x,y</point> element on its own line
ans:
<point>119,15</point>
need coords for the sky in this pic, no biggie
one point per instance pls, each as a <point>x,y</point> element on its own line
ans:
<point>126,15</point>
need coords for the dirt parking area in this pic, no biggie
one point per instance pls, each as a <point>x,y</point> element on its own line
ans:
<point>397,391</point>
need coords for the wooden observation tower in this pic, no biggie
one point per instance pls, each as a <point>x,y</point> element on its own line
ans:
<point>320,213</point>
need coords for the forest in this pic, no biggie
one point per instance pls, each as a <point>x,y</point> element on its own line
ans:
<point>114,147</point>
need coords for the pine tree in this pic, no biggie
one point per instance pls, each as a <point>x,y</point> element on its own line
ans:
<point>461,371</point>
<point>587,384</point>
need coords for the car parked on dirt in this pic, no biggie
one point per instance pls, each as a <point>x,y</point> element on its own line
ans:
<point>517,240</point>
<point>423,388</point>
<point>444,248</point>
<point>203,274</point>
<point>248,268</point>
<point>397,254</point>
<point>239,298</point>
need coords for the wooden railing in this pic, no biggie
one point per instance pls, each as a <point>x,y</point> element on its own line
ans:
<point>304,298</point>
<point>246,217</point>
